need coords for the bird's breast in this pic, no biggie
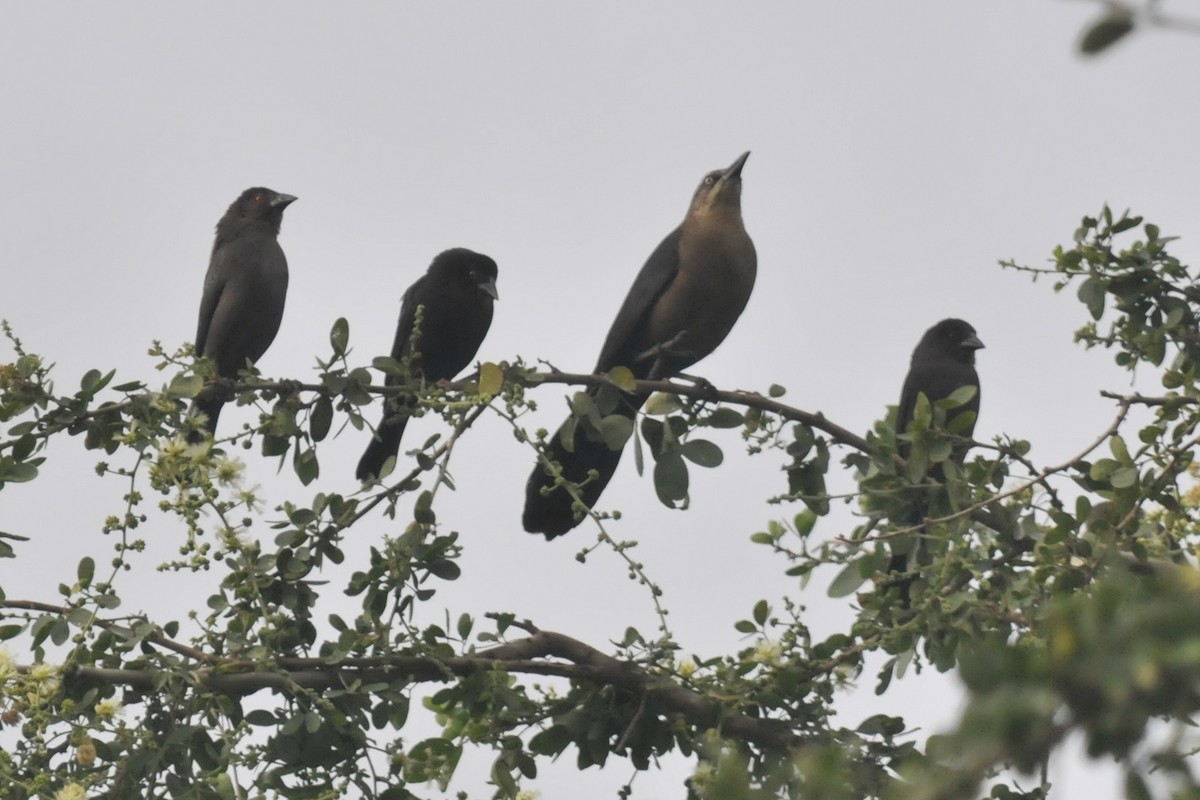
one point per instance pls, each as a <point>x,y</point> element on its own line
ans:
<point>706,297</point>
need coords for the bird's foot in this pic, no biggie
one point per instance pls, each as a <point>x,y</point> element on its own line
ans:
<point>289,387</point>
<point>222,389</point>
<point>702,387</point>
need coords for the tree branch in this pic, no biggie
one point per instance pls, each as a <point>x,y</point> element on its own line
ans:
<point>579,662</point>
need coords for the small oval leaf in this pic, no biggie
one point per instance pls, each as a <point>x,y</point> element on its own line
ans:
<point>847,581</point>
<point>702,453</point>
<point>491,378</point>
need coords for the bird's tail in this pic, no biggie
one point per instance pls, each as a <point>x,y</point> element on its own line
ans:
<point>384,445</point>
<point>209,405</point>
<point>551,513</point>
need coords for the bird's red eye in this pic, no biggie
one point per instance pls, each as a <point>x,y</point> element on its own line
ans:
<point>260,198</point>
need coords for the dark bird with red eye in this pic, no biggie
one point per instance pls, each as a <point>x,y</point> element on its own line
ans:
<point>456,296</point>
<point>244,292</point>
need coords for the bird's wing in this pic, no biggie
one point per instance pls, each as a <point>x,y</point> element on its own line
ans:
<point>653,279</point>
<point>214,285</point>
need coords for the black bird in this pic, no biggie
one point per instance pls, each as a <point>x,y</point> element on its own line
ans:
<point>681,306</point>
<point>942,363</point>
<point>456,295</point>
<point>244,291</point>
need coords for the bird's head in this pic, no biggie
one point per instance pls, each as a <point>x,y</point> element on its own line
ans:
<point>721,189</point>
<point>259,204</point>
<point>466,267</point>
<point>954,338</point>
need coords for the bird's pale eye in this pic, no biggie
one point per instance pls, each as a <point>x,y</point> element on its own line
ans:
<point>710,180</point>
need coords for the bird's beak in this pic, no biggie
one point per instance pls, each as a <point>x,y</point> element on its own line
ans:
<point>488,287</point>
<point>735,169</point>
<point>972,343</point>
<point>283,200</point>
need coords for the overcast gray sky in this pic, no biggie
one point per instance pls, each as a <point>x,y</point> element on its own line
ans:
<point>898,151</point>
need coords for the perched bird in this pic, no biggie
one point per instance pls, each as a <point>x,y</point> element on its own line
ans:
<point>456,296</point>
<point>681,306</point>
<point>244,291</point>
<point>942,363</point>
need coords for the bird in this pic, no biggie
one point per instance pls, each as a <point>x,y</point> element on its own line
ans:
<point>456,295</point>
<point>244,292</point>
<point>942,363</point>
<point>682,305</point>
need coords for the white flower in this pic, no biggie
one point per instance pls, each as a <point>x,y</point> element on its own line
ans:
<point>7,670</point>
<point>107,709</point>
<point>42,681</point>
<point>72,791</point>
<point>229,471</point>
<point>767,652</point>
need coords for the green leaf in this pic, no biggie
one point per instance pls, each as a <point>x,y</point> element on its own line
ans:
<point>804,439</point>
<point>80,617</point>
<point>1124,478</point>
<point>654,433</point>
<point>847,581</point>
<point>320,419</point>
<point>1091,294</point>
<point>881,724</point>
<point>93,381</point>
<point>304,462</point>
<point>608,399</point>
<point>491,378</point>
<point>85,571</point>
<point>959,397</point>
<point>725,417</point>
<point>445,569</point>
<point>1107,31</point>
<point>1104,467</point>
<point>339,336</point>
<point>1135,787</point>
<point>671,479</point>
<point>661,404</point>
<point>775,390</point>
<point>616,430</point>
<point>804,522</point>
<point>260,717</point>
<point>702,452</point>
<point>20,473</point>
<point>639,459</point>
<point>962,421</point>
<point>389,366</point>
<point>185,386</point>
<point>423,509</point>
<point>60,631</point>
<point>761,610</point>
<point>623,378</point>
<point>1126,223</point>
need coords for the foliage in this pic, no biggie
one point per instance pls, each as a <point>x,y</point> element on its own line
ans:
<point>1064,596</point>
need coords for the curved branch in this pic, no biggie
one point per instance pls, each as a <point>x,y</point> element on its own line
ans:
<point>155,637</point>
<point>576,661</point>
<point>743,398</point>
